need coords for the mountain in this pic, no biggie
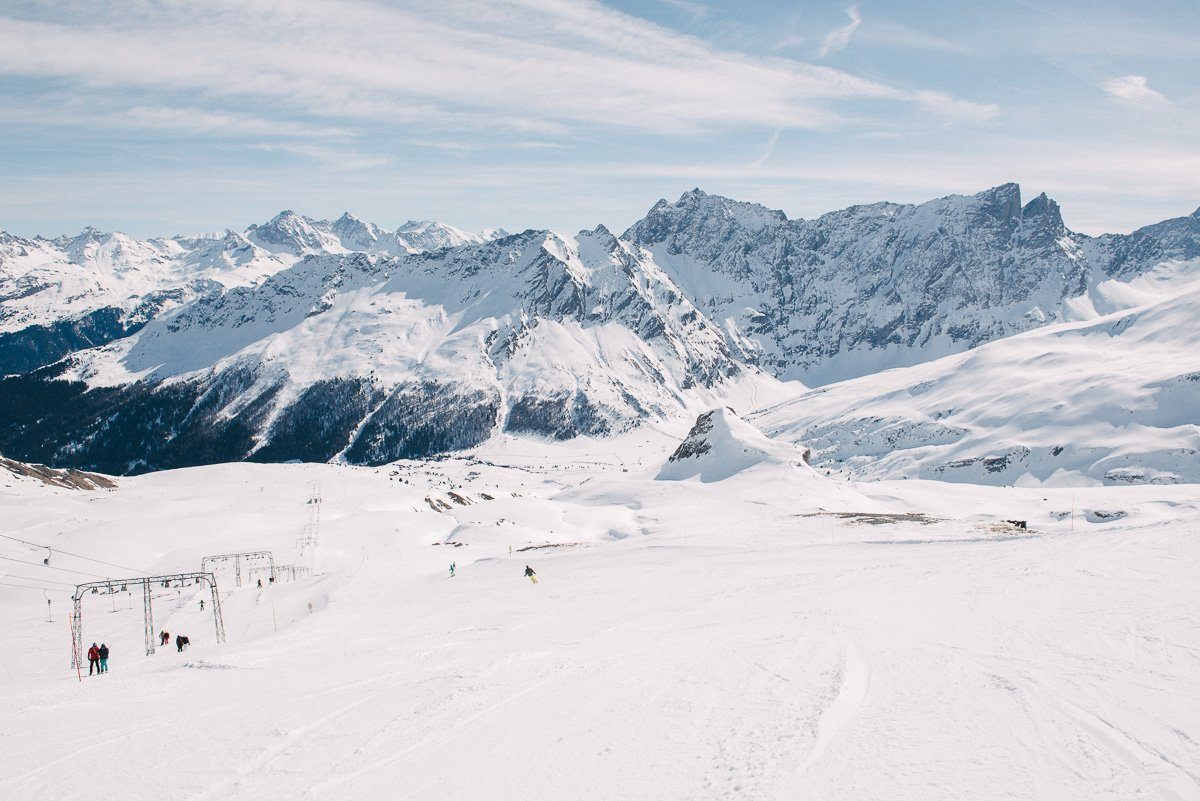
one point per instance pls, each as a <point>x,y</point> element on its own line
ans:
<point>375,358</point>
<point>72,293</point>
<point>1113,400</point>
<point>888,285</point>
<point>721,445</point>
<point>317,340</point>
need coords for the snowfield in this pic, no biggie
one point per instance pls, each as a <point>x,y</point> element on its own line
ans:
<point>766,633</point>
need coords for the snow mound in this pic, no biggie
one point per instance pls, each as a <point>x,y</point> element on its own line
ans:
<point>721,445</point>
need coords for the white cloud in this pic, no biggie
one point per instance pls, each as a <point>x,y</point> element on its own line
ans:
<point>540,66</point>
<point>1133,89</point>
<point>954,110</point>
<point>767,151</point>
<point>838,38</point>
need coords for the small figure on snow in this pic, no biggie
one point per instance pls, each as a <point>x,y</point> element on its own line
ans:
<point>103,654</point>
<point>163,638</point>
<point>201,604</point>
<point>529,572</point>
<point>451,570</point>
<point>260,584</point>
<point>181,642</point>
<point>93,659</point>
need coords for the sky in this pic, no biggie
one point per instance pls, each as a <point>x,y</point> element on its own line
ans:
<point>157,117</point>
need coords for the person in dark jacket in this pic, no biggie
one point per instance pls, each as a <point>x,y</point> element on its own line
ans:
<point>164,637</point>
<point>529,572</point>
<point>103,654</point>
<point>93,659</point>
<point>181,642</point>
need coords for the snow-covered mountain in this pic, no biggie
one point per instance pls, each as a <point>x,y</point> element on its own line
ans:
<point>721,445</point>
<point>374,358</point>
<point>1114,400</point>
<point>317,340</point>
<point>61,295</point>
<point>887,285</point>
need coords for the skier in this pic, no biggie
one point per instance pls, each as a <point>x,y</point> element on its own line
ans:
<point>163,637</point>
<point>181,642</point>
<point>260,584</point>
<point>451,570</point>
<point>529,572</point>
<point>93,659</point>
<point>103,654</point>
<point>201,604</point>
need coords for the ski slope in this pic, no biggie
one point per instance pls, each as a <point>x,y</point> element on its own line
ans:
<point>770,634</point>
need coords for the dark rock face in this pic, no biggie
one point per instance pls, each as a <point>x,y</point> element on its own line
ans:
<point>695,443</point>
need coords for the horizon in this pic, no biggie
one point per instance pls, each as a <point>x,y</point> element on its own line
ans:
<point>389,227</point>
<point>561,114</point>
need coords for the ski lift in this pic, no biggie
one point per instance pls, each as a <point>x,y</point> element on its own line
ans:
<point>167,585</point>
<point>124,588</point>
<point>95,590</point>
<point>49,553</point>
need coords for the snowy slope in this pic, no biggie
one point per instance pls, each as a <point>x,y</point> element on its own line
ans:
<point>1113,399</point>
<point>886,285</point>
<point>741,639</point>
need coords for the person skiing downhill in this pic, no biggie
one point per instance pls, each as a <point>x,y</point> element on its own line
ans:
<point>103,654</point>
<point>529,572</point>
<point>93,659</point>
<point>201,604</point>
<point>451,570</point>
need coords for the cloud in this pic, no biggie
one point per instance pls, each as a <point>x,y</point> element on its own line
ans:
<point>952,109</point>
<point>767,151</point>
<point>838,38</point>
<point>543,66</point>
<point>1133,89</point>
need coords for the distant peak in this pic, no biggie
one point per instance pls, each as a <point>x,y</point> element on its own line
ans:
<point>1005,198</point>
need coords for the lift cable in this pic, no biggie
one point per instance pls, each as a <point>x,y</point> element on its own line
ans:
<point>38,589</point>
<point>38,580</point>
<point>51,567</point>
<point>68,553</point>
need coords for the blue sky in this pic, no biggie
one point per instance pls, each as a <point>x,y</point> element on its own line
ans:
<point>160,117</point>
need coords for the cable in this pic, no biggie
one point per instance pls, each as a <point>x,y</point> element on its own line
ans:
<point>41,580</point>
<point>38,589</point>
<point>63,569</point>
<point>68,553</point>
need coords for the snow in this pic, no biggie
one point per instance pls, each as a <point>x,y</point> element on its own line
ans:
<point>1112,398</point>
<point>773,634</point>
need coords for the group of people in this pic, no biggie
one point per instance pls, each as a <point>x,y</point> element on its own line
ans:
<point>97,659</point>
<point>181,641</point>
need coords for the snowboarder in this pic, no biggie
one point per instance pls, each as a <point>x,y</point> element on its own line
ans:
<point>103,654</point>
<point>529,572</point>
<point>93,659</point>
<point>164,638</point>
<point>451,570</point>
<point>181,642</point>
